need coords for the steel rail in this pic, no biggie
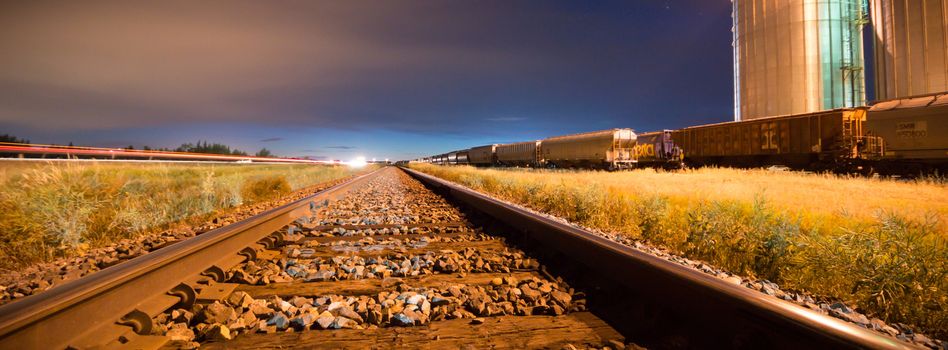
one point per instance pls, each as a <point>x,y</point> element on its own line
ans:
<point>724,308</point>
<point>17,148</point>
<point>97,310</point>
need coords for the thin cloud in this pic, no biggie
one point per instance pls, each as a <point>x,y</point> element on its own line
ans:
<point>272,139</point>
<point>506,119</point>
<point>340,147</point>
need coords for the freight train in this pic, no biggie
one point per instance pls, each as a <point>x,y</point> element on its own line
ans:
<point>904,136</point>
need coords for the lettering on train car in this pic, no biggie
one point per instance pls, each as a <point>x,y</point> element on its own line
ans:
<point>644,150</point>
<point>912,129</point>
<point>768,132</point>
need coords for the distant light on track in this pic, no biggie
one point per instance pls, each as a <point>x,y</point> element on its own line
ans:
<point>358,162</point>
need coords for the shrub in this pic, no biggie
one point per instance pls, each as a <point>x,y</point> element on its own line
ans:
<point>265,188</point>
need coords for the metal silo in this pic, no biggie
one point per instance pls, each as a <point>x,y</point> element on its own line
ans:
<point>797,56</point>
<point>911,47</point>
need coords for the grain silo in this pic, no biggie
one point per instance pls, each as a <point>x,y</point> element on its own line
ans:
<point>797,56</point>
<point>911,47</point>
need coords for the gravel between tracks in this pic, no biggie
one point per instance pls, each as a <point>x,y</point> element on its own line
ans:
<point>380,254</point>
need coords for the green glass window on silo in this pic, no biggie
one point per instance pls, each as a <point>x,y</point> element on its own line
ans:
<point>841,23</point>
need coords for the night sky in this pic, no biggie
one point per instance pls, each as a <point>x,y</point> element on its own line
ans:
<point>337,79</point>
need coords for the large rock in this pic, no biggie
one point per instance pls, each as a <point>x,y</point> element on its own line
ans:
<point>529,293</point>
<point>280,321</point>
<point>562,298</point>
<point>325,320</point>
<point>216,313</point>
<point>402,320</point>
<point>416,299</point>
<point>260,308</point>
<point>343,322</point>
<point>240,299</point>
<point>182,316</point>
<point>302,322</point>
<point>180,332</point>
<point>347,312</point>
<point>217,332</point>
<point>319,276</point>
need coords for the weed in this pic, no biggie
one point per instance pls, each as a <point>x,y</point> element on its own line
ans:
<point>265,188</point>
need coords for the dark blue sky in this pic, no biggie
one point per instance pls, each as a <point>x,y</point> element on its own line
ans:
<point>393,79</point>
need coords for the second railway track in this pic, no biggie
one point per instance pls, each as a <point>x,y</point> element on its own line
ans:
<point>401,259</point>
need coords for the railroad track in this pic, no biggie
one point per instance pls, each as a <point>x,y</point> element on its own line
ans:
<point>384,261</point>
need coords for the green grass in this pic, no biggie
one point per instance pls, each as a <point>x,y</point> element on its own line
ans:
<point>879,244</point>
<point>59,209</point>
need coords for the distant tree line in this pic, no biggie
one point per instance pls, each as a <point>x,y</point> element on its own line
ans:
<point>197,147</point>
<point>213,148</point>
<point>12,139</point>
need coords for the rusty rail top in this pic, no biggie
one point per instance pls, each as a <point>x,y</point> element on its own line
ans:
<point>726,308</point>
<point>113,307</point>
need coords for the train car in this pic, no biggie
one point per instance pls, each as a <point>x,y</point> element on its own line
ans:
<point>914,132</point>
<point>519,154</point>
<point>462,157</point>
<point>483,155</point>
<point>824,140</point>
<point>607,149</point>
<point>451,158</point>
<point>658,149</point>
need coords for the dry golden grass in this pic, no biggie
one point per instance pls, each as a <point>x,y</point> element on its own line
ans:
<point>59,209</point>
<point>876,243</point>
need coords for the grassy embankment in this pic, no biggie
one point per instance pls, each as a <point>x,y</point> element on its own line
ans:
<point>52,210</point>
<point>878,244</point>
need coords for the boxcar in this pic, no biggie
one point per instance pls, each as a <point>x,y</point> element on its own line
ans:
<point>519,154</point>
<point>462,157</point>
<point>914,131</point>
<point>609,149</point>
<point>824,140</point>
<point>483,155</point>
<point>657,149</point>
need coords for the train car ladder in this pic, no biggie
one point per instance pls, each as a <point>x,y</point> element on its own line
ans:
<point>856,143</point>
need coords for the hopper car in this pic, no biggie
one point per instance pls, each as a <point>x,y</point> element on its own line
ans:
<point>483,155</point>
<point>461,157</point>
<point>525,154</point>
<point>605,149</point>
<point>824,140</point>
<point>657,149</point>
<point>904,136</point>
<point>915,133</point>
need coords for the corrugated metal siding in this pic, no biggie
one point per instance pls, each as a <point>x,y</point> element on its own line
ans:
<point>482,154</point>
<point>520,153</point>
<point>798,134</point>
<point>605,145</point>
<point>911,47</point>
<point>796,56</point>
